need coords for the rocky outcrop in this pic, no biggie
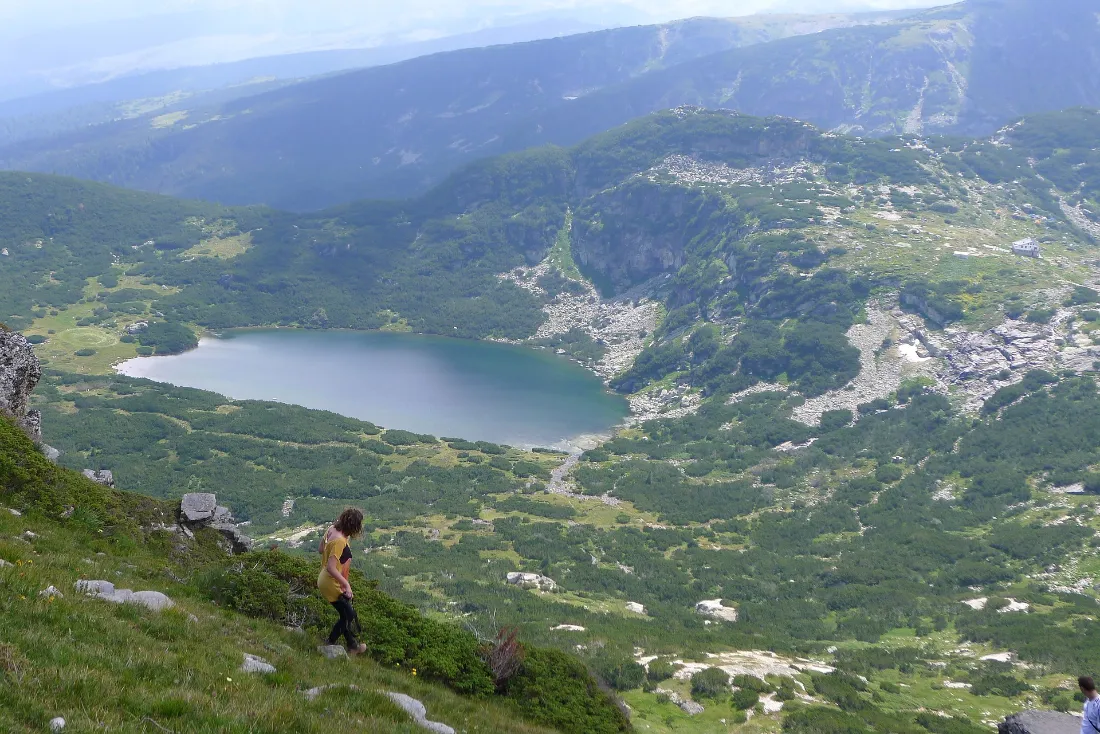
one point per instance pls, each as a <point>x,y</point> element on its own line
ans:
<point>201,510</point>
<point>714,609</point>
<point>101,476</point>
<point>106,591</point>
<point>20,371</point>
<point>1040,722</point>
<point>531,581</point>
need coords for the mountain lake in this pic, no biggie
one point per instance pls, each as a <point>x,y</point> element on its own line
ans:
<point>475,390</point>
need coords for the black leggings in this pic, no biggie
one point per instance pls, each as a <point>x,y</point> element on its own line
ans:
<point>348,624</point>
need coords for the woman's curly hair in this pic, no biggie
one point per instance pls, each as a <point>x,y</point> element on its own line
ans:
<point>350,522</point>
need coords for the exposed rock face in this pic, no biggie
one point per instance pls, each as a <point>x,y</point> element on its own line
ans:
<point>103,476</point>
<point>198,507</point>
<point>713,608</point>
<point>201,509</point>
<point>531,581</point>
<point>20,371</point>
<point>1040,722</point>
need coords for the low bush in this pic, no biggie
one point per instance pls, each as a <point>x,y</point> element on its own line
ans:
<point>710,683</point>
<point>555,689</point>
<point>660,670</point>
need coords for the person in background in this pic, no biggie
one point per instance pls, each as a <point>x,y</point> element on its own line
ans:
<point>332,581</point>
<point>1090,717</point>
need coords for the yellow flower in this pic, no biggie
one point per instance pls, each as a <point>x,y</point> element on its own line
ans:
<point>229,679</point>
<point>414,671</point>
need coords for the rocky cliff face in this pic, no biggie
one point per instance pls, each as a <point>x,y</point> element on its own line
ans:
<point>20,371</point>
<point>1040,722</point>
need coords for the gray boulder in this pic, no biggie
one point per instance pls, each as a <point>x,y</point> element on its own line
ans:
<point>201,509</point>
<point>101,476</point>
<point>105,590</point>
<point>1040,722</point>
<point>256,664</point>
<point>333,652</point>
<point>198,507</point>
<point>20,371</point>
<point>419,713</point>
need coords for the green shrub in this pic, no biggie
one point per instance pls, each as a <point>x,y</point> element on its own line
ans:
<point>831,420</point>
<point>86,352</point>
<point>377,447</point>
<point>145,351</point>
<point>888,473</point>
<point>554,689</point>
<point>661,669</point>
<point>168,337</point>
<point>127,339</point>
<point>395,437</point>
<point>1090,315</point>
<point>710,683</point>
<point>36,339</point>
<point>752,683</point>
<point>744,699</point>
<point>625,675</point>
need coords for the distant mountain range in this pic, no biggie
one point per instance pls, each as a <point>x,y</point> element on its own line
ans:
<point>382,131</point>
<point>396,130</point>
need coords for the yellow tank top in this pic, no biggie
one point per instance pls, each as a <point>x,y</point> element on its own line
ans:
<point>337,547</point>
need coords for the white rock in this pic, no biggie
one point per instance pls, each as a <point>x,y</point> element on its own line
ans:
<point>5,564</point>
<point>713,608</point>
<point>531,581</point>
<point>333,652</point>
<point>17,513</point>
<point>57,723</point>
<point>1000,657</point>
<point>1014,606</point>
<point>28,535</point>
<point>51,592</point>
<point>256,664</point>
<point>977,604</point>
<point>568,628</point>
<point>418,712</point>
<point>956,685</point>
<point>633,606</point>
<point>153,600</point>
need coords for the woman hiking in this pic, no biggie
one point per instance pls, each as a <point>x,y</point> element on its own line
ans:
<point>333,579</point>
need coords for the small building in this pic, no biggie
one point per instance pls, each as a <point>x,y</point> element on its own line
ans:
<point>1026,248</point>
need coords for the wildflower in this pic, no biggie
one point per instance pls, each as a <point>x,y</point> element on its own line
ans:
<point>229,679</point>
<point>414,671</point>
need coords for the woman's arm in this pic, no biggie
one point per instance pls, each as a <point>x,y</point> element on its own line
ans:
<point>333,568</point>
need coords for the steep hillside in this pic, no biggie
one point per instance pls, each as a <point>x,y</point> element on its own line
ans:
<point>382,132</point>
<point>213,643</point>
<point>862,469</point>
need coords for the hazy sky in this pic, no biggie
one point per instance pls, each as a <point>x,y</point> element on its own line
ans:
<point>21,17</point>
<point>49,44</point>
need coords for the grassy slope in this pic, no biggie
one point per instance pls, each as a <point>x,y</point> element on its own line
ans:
<point>100,665</point>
